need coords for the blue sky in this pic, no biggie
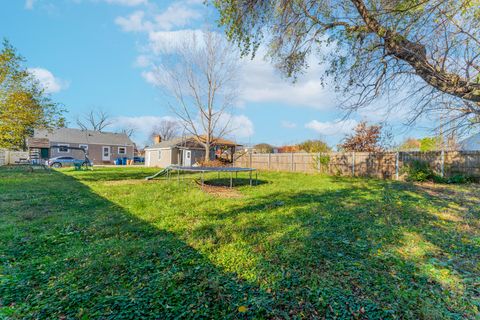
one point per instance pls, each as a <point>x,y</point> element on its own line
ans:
<point>96,54</point>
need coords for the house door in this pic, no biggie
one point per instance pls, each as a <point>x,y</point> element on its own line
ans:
<point>187,158</point>
<point>44,153</point>
<point>105,153</point>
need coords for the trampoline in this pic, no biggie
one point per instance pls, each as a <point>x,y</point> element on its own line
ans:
<point>202,170</point>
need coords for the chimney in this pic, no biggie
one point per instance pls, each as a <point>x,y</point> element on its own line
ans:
<point>157,139</point>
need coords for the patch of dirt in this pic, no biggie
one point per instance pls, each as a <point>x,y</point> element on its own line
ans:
<point>219,191</point>
<point>435,190</point>
<point>449,191</point>
<point>460,197</point>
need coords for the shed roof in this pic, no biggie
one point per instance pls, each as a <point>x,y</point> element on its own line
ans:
<point>177,142</point>
<point>70,135</point>
<point>38,143</point>
<point>220,141</point>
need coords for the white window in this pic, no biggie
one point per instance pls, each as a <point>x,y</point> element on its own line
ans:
<point>62,149</point>
<point>83,146</point>
<point>159,154</point>
<point>122,150</point>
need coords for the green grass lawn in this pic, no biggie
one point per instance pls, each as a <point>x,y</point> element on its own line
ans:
<point>107,244</point>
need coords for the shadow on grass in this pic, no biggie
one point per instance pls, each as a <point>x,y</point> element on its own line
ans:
<point>68,253</point>
<point>99,174</point>
<point>237,182</point>
<point>373,251</point>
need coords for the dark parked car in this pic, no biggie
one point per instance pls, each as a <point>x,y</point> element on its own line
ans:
<point>66,161</point>
<point>138,159</point>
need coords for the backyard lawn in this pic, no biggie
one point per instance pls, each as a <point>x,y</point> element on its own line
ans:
<point>108,244</point>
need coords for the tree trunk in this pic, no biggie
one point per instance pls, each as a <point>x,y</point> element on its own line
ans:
<point>207,152</point>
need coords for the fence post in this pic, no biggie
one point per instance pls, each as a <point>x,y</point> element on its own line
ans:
<point>353,164</point>
<point>396,165</point>
<point>291,159</point>
<point>269,160</point>
<point>442,164</point>
<point>319,163</point>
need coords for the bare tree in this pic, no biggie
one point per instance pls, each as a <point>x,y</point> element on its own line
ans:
<point>94,120</point>
<point>166,129</point>
<point>129,131</point>
<point>426,51</point>
<point>201,77</point>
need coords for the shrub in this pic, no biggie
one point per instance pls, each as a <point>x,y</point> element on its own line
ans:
<point>419,171</point>
<point>460,178</point>
<point>324,161</point>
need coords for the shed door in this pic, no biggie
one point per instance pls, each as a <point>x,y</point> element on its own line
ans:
<point>187,158</point>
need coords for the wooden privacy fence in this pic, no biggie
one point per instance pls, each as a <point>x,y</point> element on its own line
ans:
<point>10,157</point>
<point>385,165</point>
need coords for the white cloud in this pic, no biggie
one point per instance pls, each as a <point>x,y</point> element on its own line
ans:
<point>259,80</point>
<point>129,3</point>
<point>150,77</point>
<point>178,14</point>
<point>332,128</point>
<point>29,4</point>
<point>262,83</point>
<point>134,22</point>
<point>165,42</point>
<point>288,124</point>
<point>143,125</point>
<point>241,126</point>
<point>142,61</point>
<point>48,81</point>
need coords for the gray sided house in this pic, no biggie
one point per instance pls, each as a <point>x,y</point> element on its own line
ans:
<point>471,144</point>
<point>184,151</point>
<point>101,147</point>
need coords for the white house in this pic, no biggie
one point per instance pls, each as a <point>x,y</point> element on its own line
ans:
<point>471,143</point>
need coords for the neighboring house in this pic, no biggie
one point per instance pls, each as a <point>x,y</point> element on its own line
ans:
<point>471,144</point>
<point>101,147</point>
<point>185,151</point>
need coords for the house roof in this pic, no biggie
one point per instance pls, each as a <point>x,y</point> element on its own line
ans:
<point>220,141</point>
<point>70,135</point>
<point>166,144</point>
<point>471,143</point>
<point>179,141</point>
